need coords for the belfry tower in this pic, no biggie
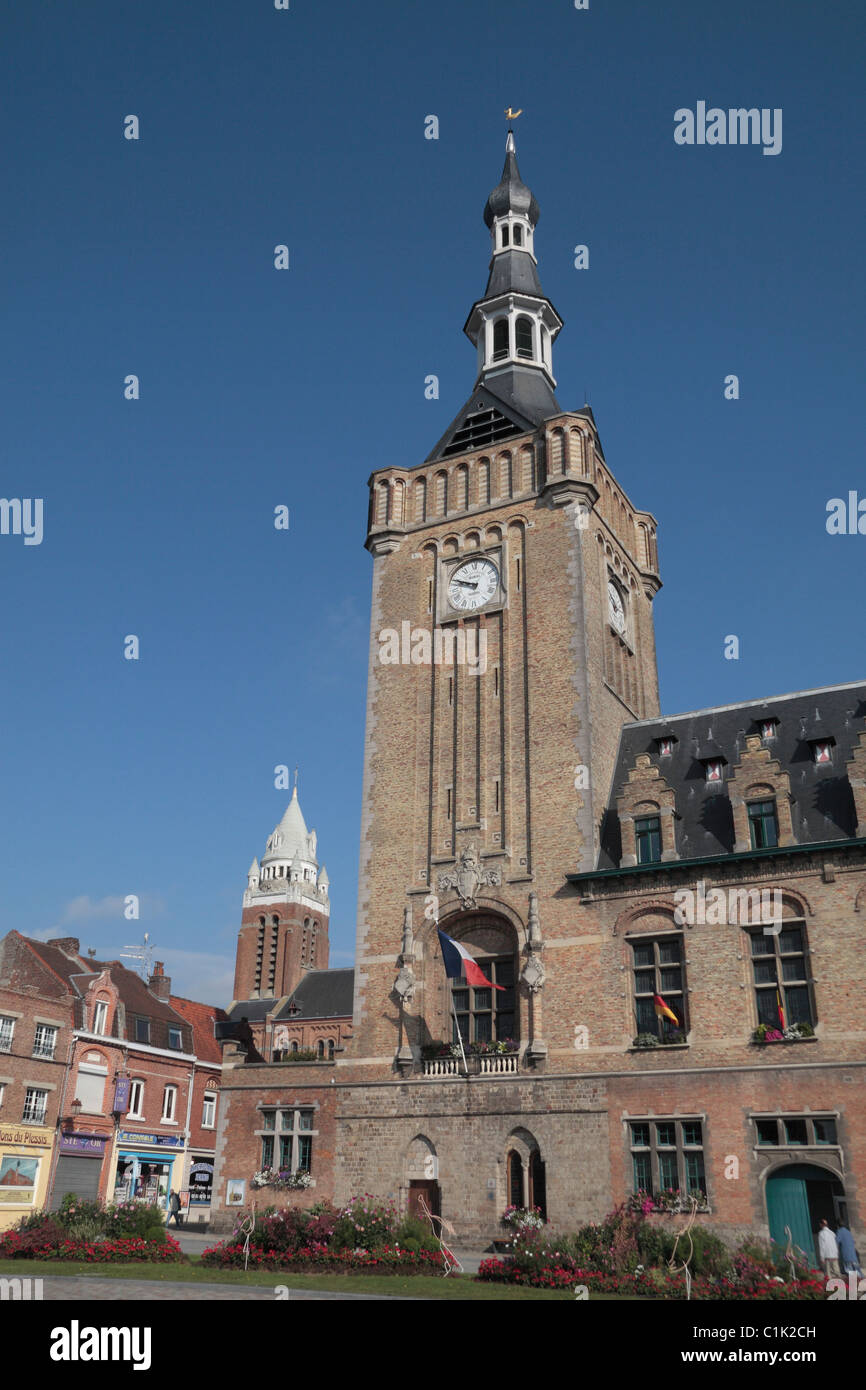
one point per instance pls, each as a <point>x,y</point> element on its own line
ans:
<point>485,784</point>
<point>284,926</point>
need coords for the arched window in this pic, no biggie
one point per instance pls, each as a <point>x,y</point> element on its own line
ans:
<point>484,481</point>
<point>500,339</point>
<point>320,1049</point>
<point>515,1179</point>
<point>505,234</point>
<point>484,1014</point>
<point>538,1184</point>
<point>295,1045</point>
<point>330,1049</point>
<point>518,236</point>
<point>523,336</point>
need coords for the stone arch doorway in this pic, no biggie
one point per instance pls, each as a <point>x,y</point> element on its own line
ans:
<point>798,1196</point>
<point>422,1178</point>
<point>525,1172</point>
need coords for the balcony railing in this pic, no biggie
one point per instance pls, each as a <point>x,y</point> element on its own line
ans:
<point>501,1062</point>
<point>44,1050</point>
<point>497,1064</point>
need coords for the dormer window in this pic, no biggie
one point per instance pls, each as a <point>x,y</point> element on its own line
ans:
<point>523,335</point>
<point>768,728</point>
<point>713,760</point>
<point>822,750</point>
<point>666,746</point>
<point>763,824</point>
<point>648,839</point>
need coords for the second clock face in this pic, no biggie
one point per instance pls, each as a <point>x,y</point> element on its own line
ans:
<point>473,584</point>
<point>616,607</point>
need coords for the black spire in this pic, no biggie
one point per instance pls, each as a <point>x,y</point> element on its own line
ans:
<point>511,193</point>
<point>512,327</point>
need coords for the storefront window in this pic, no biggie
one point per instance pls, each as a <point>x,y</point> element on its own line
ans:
<point>142,1180</point>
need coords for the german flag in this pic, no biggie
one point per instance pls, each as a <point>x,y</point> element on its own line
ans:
<point>663,1010</point>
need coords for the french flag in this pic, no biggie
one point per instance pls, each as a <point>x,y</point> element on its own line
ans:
<point>459,962</point>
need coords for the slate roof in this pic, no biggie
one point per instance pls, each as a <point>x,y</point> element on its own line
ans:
<point>822,801</point>
<point>511,193</point>
<point>254,1010</point>
<point>522,396</point>
<point>322,994</point>
<point>513,271</point>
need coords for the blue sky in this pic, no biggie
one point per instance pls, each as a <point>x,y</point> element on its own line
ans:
<point>258,387</point>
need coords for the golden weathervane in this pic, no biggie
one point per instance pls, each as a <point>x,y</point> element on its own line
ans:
<point>512,115</point>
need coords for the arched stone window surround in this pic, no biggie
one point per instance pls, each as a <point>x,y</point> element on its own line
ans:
<point>758,768</point>
<point>646,786</point>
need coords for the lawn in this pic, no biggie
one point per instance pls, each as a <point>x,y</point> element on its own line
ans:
<point>406,1286</point>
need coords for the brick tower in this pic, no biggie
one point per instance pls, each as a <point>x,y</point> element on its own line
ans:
<point>511,638</point>
<point>284,926</point>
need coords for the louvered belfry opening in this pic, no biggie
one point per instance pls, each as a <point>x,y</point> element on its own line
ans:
<point>479,430</point>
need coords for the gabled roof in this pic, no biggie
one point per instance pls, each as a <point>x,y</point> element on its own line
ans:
<point>822,802</point>
<point>491,417</point>
<point>201,1018</point>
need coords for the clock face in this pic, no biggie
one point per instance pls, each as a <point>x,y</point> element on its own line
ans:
<point>473,584</point>
<point>616,607</point>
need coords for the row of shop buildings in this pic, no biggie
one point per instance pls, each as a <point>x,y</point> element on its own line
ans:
<point>108,1084</point>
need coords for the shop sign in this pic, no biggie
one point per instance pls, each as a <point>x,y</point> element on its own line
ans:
<point>200,1183</point>
<point>83,1144</point>
<point>37,1139</point>
<point>121,1095</point>
<point>164,1141</point>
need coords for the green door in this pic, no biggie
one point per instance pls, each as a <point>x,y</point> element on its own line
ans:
<point>788,1205</point>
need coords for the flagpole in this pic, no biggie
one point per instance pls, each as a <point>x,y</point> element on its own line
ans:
<point>457,1026</point>
<point>454,1013</point>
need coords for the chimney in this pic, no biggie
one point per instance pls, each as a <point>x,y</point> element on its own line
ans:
<point>159,983</point>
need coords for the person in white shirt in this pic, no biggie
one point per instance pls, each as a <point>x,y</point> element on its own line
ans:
<point>828,1250</point>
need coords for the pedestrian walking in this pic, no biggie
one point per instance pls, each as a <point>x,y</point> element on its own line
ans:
<point>174,1208</point>
<point>848,1257</point>
<point>828,1250</point>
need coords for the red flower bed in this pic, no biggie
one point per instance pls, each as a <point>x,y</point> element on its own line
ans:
<point>28,1245</point>
<point>318,1258</point>
<point>646,1285</point>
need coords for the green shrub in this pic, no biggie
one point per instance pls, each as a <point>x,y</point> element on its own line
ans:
<point>416,1235</point>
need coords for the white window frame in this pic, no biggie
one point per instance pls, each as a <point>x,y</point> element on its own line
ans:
<point>2,1093</point>
<point>6,1042</point>
<point>209,1103</point>
<point>100,1017</point>
<point>39,1043</point>
<point>178,1046</point>
<point>32,1119</point>
<point>136,1112</point>
<point>169,1105</point>
<point>98,1073</point>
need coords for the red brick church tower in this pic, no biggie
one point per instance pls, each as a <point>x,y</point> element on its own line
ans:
<point>284,926</point>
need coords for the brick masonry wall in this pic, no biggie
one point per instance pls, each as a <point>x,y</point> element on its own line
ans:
<point>244,1092</point>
